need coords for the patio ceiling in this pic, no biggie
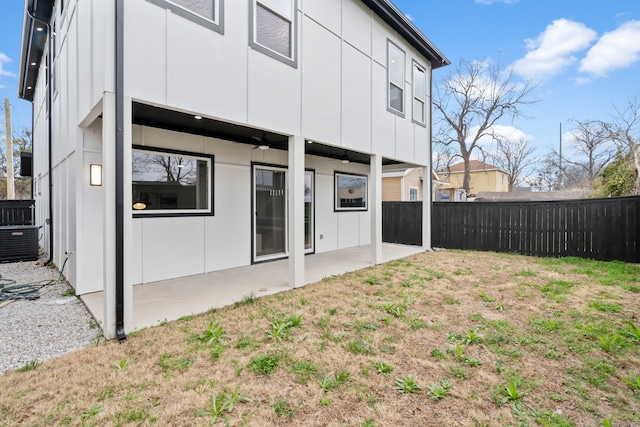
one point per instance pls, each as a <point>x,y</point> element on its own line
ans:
<point>157,117</point>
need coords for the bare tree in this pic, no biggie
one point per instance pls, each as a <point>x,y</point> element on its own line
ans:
<point>592,146</point>
<point>626,131</point>
<point>474,99</point>
<point>514,157</point>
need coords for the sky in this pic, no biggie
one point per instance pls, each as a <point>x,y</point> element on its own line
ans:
<point>584,53</point>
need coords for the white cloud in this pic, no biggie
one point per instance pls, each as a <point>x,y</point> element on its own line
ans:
<point>616,49</point>
<point>4,59</point>
<point>509,133</point>
<point>554,49</point>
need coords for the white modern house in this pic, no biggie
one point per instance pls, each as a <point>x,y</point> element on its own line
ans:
<point>179,137</point>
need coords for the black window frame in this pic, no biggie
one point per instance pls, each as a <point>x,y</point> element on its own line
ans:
<point>165,213</point>
<point>336,207</point>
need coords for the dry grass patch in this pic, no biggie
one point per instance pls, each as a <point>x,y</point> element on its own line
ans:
<point>464,338</point>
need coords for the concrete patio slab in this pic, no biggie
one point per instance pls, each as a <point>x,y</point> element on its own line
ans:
<point>171,299</point>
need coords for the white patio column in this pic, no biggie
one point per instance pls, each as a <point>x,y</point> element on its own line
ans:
<point>296,211</point>
<point>375,207</point>
<point>109,227</point>
<point>426,208</point>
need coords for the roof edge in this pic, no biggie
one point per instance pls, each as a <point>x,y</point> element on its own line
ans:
<point>399,22</point>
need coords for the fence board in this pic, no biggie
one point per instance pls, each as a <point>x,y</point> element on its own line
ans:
<point>605,229</point>
<point>17,212</point>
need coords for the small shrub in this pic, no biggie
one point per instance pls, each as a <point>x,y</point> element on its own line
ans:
<point>383,368</point>
<point>407,384</point>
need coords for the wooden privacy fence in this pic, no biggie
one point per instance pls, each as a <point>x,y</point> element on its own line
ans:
<point>603,229</point>
<point>17,212</point>
<point>402,222</point>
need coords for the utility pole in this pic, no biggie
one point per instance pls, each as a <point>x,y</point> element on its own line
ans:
<point>11,194</point>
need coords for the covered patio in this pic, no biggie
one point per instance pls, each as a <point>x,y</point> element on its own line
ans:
<point>169,300</point>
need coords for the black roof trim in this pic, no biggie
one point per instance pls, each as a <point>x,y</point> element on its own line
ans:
<point>399,22</point>
<point>33,44</point>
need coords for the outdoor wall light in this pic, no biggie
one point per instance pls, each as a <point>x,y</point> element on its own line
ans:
<point>139,206</point>
<point>95,175</point>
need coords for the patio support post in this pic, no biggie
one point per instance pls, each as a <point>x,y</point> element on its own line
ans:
<point>375,207</point>
<point>109,229</point>
<point>296,211</point>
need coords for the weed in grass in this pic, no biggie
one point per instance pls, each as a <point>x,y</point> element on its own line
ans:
<point>387,349</point>
<point>304,301</point>
<point>484,297</point>
<point>609,342</point>
<point>556,289</point>
<point>475,317</point>
<point>548,418</point>
<point>438,354</point>
<point>372,326</point>
<point>407,384</point>
<point>325,402</point>
<point>383,368</point>
<point>279,329</point>
<point>526,273</point>
<point>633,382</point>
<point>416,324</point>
<point>246,342</point>
<point>90,414</point>
<point>121,365</point>
<point>368,423</point>
<point>372,281</point>
<point>510,393</point>
<point>341,377</point>
<point>283,409</point>
<point>607,422</point>
<point>471,337</point>
<point>458,372</point>
<point>216,352</point>
<point>29,366</point>
<point>169,361</point>
<point>451,300</point>
<point>607,307</point>
<point>304,371</point>
<point>326,384</point>
<point>453,337</point>
<point>222,402</point>
<point>439,390</point>
<point>633,331</point>
<point>394,309</point>
<point>360,347</point>
<point>213,334</point>
<point>248,299</point>
<point>265,364</point>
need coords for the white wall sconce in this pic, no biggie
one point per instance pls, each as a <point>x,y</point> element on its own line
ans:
<point>95,175</point>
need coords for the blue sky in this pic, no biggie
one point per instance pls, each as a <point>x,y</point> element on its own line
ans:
<point>586,53</point>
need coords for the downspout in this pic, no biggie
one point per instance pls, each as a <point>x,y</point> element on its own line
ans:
<point>119,167</point>
<point>49,131</point>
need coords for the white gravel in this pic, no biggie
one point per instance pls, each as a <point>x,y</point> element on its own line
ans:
<point>43,329</point>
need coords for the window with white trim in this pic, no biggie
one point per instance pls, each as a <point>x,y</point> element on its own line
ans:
<point>171,183</point>
<point>413,194</point>
<point>395,74</point>
<point>419,94</point>
<point>208,13</point>
<point>273,29</point>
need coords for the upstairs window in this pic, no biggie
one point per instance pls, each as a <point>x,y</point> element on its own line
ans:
<point>419,94</point>
<point>171,183</point>
<point>395,72</point>
<point>208,13</point>
<point>273,29</point>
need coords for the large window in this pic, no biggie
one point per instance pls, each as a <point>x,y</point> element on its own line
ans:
<point>395,72</point>
<point>350,192</point>
<point>171,183</point>
<point>419,94</point>
<point>209,13</point>
<point>273,29</point>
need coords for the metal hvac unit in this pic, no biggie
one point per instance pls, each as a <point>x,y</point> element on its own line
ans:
<point>18,243</point>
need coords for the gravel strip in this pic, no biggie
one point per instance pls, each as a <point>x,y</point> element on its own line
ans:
<point>43,329</point>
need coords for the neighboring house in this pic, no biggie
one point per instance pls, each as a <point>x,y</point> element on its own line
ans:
<point>402,185</point>
<point>484,177</point>
<point>532,196</point>
<point>175,138</point>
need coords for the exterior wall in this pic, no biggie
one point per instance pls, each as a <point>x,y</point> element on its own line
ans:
<point>341,100</point>
<point>396,188</point>
<point>413,180</point>
<point>482,181</point>
<point>392,189</point>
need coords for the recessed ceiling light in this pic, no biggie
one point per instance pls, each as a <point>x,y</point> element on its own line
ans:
<point>197,117</point>
<point>39,29</point>
<point>263,147</point>
<point>309,142</point>
<point>29,88</point>
<point>33,64</point>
